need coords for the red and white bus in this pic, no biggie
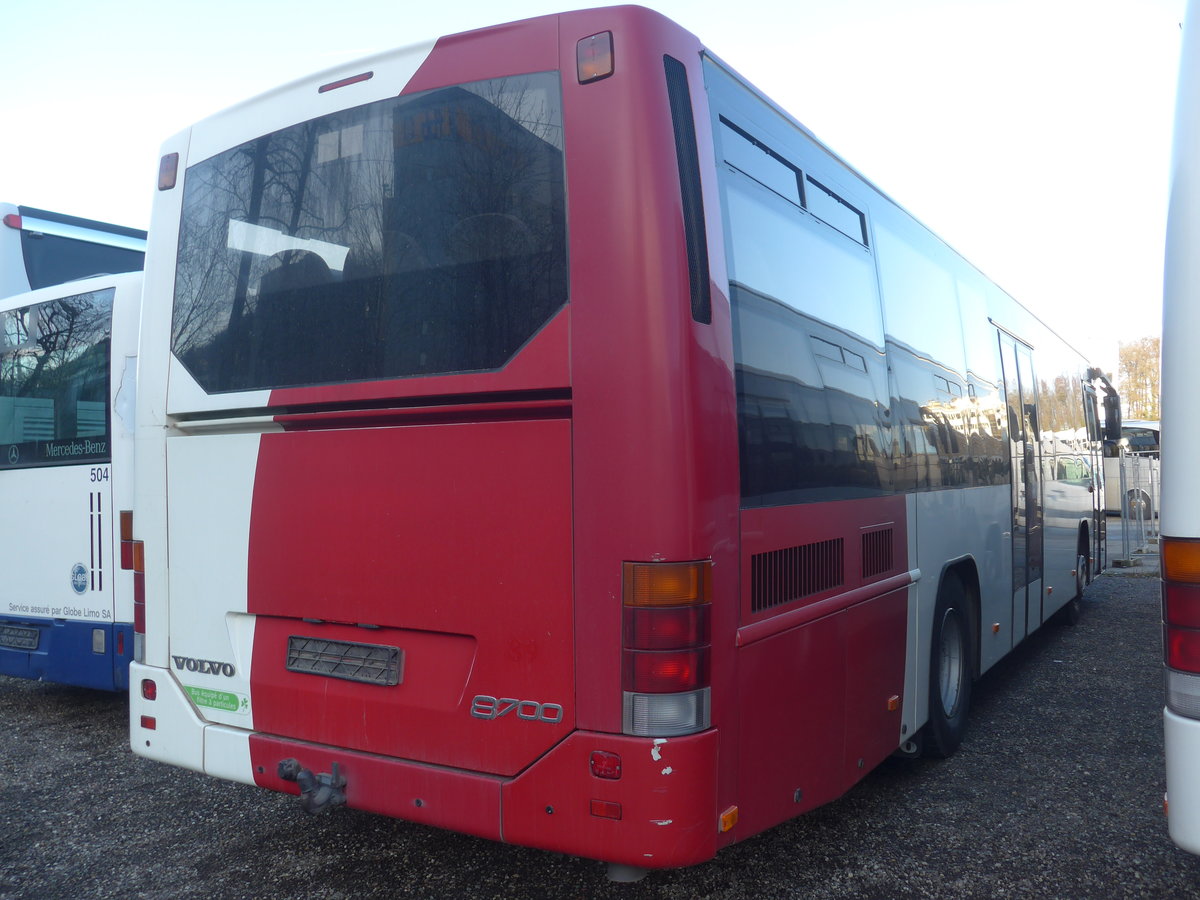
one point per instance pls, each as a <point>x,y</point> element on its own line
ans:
<point>561,445</point>
<point>1180,521</point>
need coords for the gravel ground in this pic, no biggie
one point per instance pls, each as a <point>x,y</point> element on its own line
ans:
<point>1056,792</point>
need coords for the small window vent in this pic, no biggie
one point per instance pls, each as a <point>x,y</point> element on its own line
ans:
<point>877,552</point>
<point>781,576</point>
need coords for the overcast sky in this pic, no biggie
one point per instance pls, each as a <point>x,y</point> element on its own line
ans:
<point>1032,135</point>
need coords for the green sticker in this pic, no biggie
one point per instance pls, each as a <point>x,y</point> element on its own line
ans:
<point>222,700</point>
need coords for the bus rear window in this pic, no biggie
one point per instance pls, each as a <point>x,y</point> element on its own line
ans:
<point>419,235</point>
<point>54,365</point>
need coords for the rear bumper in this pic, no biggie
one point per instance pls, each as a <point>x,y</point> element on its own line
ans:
<point>1182,737</point>
<point>665,797</point>
<point>68,652</point>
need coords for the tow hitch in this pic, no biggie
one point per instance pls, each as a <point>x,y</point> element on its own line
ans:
<point>317,792</point>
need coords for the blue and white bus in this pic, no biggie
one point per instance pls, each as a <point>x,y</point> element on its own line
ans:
<point>68,366</point>
<point>39,248</point>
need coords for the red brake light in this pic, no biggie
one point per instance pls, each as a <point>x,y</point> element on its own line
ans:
<point>666,629</point>
<point>12,220</point>
<point>149,689</point>
<point>1183,649</point>
<point>139,603</point>
<point>666,671</point>
<point>1181,605</point>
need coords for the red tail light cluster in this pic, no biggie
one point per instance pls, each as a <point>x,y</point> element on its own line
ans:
<point>133,558</point>
<point>666,652</point>
<point>1181,623</point>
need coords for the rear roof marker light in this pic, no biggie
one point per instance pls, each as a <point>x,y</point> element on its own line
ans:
<point>594,57</point>
<point>346,82</point>
<point>168,171</point>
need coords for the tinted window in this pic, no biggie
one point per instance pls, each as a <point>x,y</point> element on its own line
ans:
<point>54,365</point>
<point>418,235</point>
<point>51,259</point>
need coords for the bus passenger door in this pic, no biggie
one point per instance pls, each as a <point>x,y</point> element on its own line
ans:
<point>1024,444</point>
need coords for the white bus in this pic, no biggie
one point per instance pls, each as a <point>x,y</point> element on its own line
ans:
<point>1140,441</point>
<point>68,360</point>
<point>619,497</point>
<point>39,248</point>
<point>1180,520</point>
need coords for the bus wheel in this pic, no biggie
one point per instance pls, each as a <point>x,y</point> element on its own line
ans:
<point>950,669</point>
<point>1073,611</point>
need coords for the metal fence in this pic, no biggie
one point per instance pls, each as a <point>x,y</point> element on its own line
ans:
<point>1140,496</point>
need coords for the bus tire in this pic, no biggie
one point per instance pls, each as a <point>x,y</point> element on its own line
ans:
<point>950,668</point>
<point>1073,611</point>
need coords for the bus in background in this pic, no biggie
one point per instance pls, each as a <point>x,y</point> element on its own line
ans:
<point>618,497</point>
<point>1180,519</point>
<point>68,357</point>
<point>40,249</point>
<point>1140,500</point>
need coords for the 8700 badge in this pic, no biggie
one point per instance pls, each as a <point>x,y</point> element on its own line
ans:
<point>487,707</point>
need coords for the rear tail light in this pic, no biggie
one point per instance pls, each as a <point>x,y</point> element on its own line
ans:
<point>12,220</point>
<point>666,648</point>
<point>133,557</point>
<point>1181,624</point>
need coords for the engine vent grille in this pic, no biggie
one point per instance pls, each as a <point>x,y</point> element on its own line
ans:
<point>877,552</point>
<point>368,663</point>
<point>781,576</point>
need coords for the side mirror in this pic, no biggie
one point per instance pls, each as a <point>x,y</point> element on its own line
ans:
<point>1112,417</point>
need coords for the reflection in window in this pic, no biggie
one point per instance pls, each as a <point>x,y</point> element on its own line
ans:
<point>54,372</point>
<point>833,210</point>
<point>419,235</point>
<point>761,163</point>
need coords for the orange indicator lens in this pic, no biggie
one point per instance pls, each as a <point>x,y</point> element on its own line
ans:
<point>594,57</point>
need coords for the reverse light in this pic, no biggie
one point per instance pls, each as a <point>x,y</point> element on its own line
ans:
<point>594,57</point>
<point>1181,623</point>
<point>666,647</point>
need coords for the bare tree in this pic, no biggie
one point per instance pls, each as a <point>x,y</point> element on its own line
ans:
<point>1139,378</point>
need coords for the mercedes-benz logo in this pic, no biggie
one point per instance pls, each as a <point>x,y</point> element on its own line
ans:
<point>14,454</point>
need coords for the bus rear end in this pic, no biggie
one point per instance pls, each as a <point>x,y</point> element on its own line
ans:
<point>67,379</point>
<point>1180,520</point>
<point>444,525</point>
